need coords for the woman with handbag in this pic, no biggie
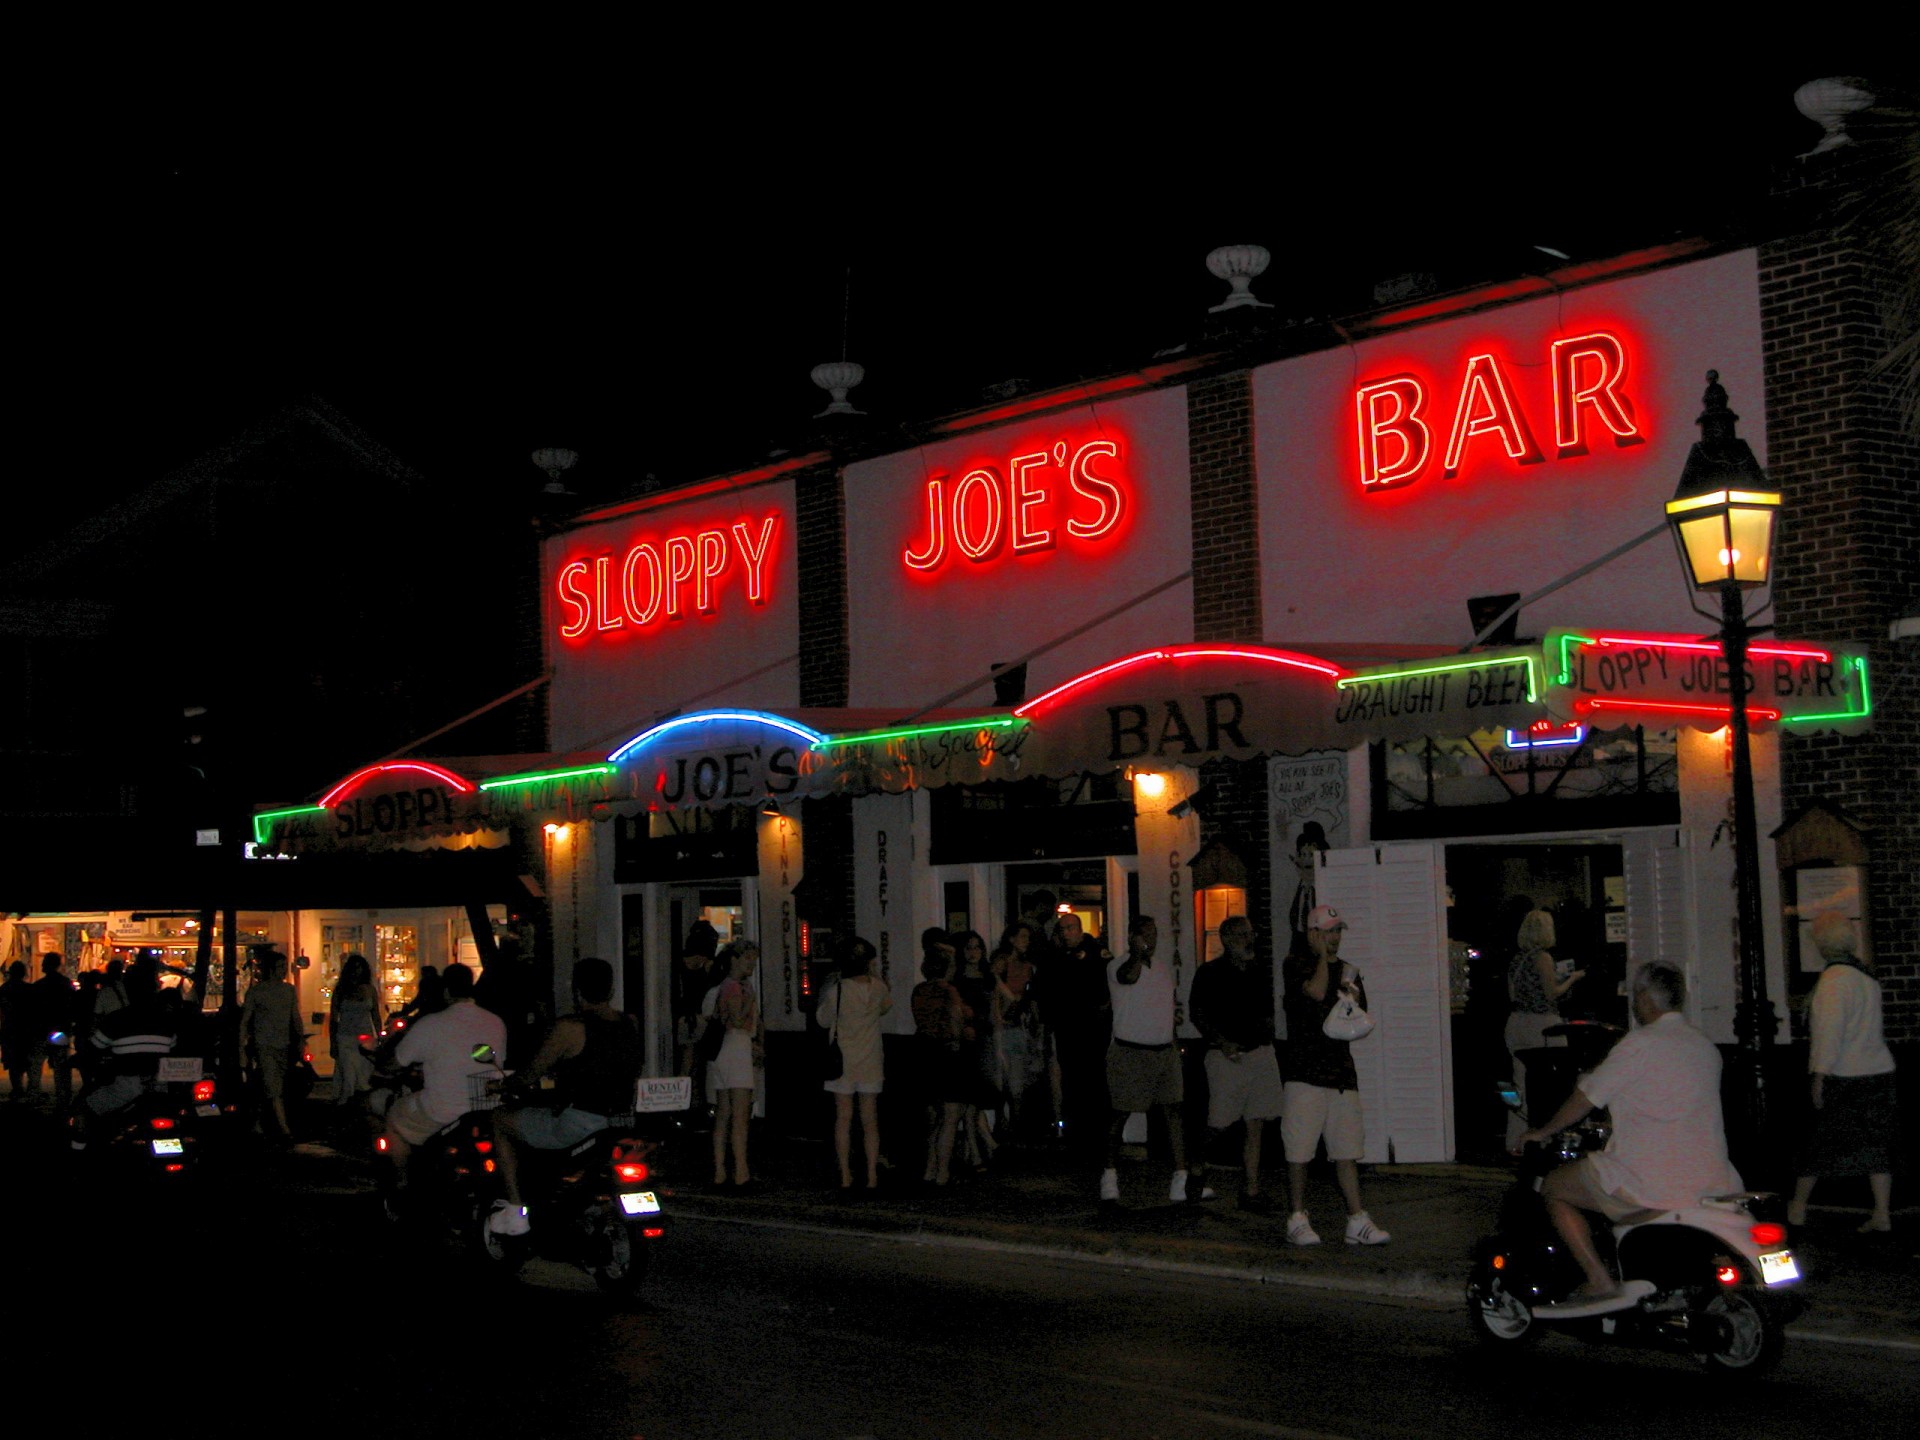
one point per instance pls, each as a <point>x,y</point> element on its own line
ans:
<point>1535,985</point>
<point>734,1006</point>
<point>851,1011</point>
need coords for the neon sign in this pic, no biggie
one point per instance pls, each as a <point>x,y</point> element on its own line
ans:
<point>1025,510</point>
<point>679,576</point>
<point>1590,400</point>
<point>1686,675</point>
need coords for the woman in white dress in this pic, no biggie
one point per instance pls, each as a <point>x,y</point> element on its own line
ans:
<point>731,1075</point>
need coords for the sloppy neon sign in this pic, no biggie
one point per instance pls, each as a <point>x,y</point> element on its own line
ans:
<point>669,580</point>
<point>1025,510</point>
<point>1590,402</point>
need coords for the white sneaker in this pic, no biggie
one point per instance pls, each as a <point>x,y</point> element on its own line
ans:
<point>1300,1229</point>
<point>508,1219</point>
<point>1362,1231</point>
<point>1109,1186</point>
<point>1180,1193</point>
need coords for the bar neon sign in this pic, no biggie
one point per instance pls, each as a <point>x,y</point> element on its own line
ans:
<point>1590,402</point>
<point>394,767</point>
<point>679,576</point>
<point>800,732</point>
<point>1179,652</point>
<point>1080,490</point>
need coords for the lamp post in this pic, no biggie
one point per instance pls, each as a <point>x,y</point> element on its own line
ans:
<point>1722,517</point>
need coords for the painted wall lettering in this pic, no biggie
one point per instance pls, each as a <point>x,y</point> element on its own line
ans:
<point>1022,507</point>
<point>665,579</point>
<point>1588,375</point>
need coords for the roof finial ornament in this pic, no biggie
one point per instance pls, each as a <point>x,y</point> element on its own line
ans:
<point>1238,265</point>
<point>556,461</point>
<point>1828,103</point>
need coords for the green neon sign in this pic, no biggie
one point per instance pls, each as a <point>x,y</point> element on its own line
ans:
<point>912,731</point>
<point>263,822</point>
<point>1374,677</point>
<point>1859,663</point>
<point>534,777</point>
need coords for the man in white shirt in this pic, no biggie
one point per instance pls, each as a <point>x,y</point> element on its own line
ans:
<point>1669,1147</point>
<point>1143,1062</point>
<point>451,1047</point>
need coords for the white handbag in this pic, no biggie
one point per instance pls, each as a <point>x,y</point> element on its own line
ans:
<point>1347,1020</point>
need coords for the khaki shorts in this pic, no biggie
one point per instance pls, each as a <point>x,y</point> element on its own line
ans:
<point>1140,1078</point>
<point>1313,1112</point>
<point>409,1119</point>
<point>1244,1089</point>
<point>1578,1185</point>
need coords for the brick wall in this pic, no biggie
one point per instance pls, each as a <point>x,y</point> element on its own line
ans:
<point>821,520</point>
<point>1226,509</point>
<point>1845,557</point>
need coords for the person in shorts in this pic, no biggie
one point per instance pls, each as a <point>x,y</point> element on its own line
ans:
<point>1322,1096</point>
<point>1232,1007</point>
<point>1143,1062</point>
<point>451,1047</point>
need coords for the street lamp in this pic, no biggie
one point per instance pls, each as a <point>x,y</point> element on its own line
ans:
<point>1722,518</point>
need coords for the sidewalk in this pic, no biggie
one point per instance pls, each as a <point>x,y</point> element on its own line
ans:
<point>1858,1287</point>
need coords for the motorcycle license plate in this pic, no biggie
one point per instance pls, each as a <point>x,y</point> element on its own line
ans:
<point>640,1202</point>
<point>169,1147</point>
<point>1777,1267</point>
<point>209,1109</point>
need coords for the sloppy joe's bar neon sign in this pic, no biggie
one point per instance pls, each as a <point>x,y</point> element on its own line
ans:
<point>682,575</point>
<point>1590,401</point>
<point>1043,493</point>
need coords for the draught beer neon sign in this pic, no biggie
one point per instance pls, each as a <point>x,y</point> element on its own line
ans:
<point>1591,402</point>
<point>652,581</point>
<point>1078,492</point>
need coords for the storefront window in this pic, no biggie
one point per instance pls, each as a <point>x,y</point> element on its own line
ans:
<point>1493,780</point>
<point>396,962</point>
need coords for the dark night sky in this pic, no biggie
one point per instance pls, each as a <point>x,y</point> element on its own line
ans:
<point>649,280</point>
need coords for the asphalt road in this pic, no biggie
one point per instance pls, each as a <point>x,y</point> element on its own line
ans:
<point>276,1296</point>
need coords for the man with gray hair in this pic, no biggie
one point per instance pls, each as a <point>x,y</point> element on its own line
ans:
<point>1669,1147</point>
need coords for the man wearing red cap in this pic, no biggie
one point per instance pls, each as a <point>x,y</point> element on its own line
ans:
<point>1322,1095</point>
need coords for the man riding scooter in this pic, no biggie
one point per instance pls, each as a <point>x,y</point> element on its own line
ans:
<point>595,1055</point>
<point>1661,1084</point>
<point>134,1037</point>
<point>450,1046</point>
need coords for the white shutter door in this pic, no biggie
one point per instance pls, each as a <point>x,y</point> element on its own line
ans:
<point>1392,900</point>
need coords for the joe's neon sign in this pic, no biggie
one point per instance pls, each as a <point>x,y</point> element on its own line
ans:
<point>1045,492</point>
<point>1590,401</point>
<point>669,580</point>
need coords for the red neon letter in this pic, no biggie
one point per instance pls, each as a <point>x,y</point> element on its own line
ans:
<point>756,556</point>
<point>679,570</point>
<point>713,559</point>
<point>936,550</point>
<point>1389,411</point>
<point>987,484</point>
<point>1025,498</point>
<point>636,612</point>
<point>1487,405</point>
<point>575,599</point>
<point>610,618</point>
<point>1097,488</point>
<point>1589,370</point>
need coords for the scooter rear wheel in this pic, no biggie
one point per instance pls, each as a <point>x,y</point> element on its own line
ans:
<point>1497,1316</point>
<point>623,1260</point>
<point>1753,1337</point>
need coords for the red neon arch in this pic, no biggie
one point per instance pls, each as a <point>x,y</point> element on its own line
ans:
<point>446,777</point>
<point>1284,658</point>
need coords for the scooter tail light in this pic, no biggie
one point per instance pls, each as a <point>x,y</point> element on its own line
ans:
<point>381,1144</point>
<point>652,1233</point>
<point>161,1122</point>
<point>630,1172</point>
<point>1727,1274</point>
<point>202,1091</point>
<point>1499,1262</point>
<point>1766,1233</point>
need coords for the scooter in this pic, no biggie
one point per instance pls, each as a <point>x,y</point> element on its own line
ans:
<point>446,1174</point>
<point>1708,1280</point>
<point>596,1205</point>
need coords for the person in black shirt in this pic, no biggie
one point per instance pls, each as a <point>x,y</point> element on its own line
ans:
<point>1232,1007</point>
<point>1080,1017</point>
<point>1322,1089</point>
<point>596,1055</point>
